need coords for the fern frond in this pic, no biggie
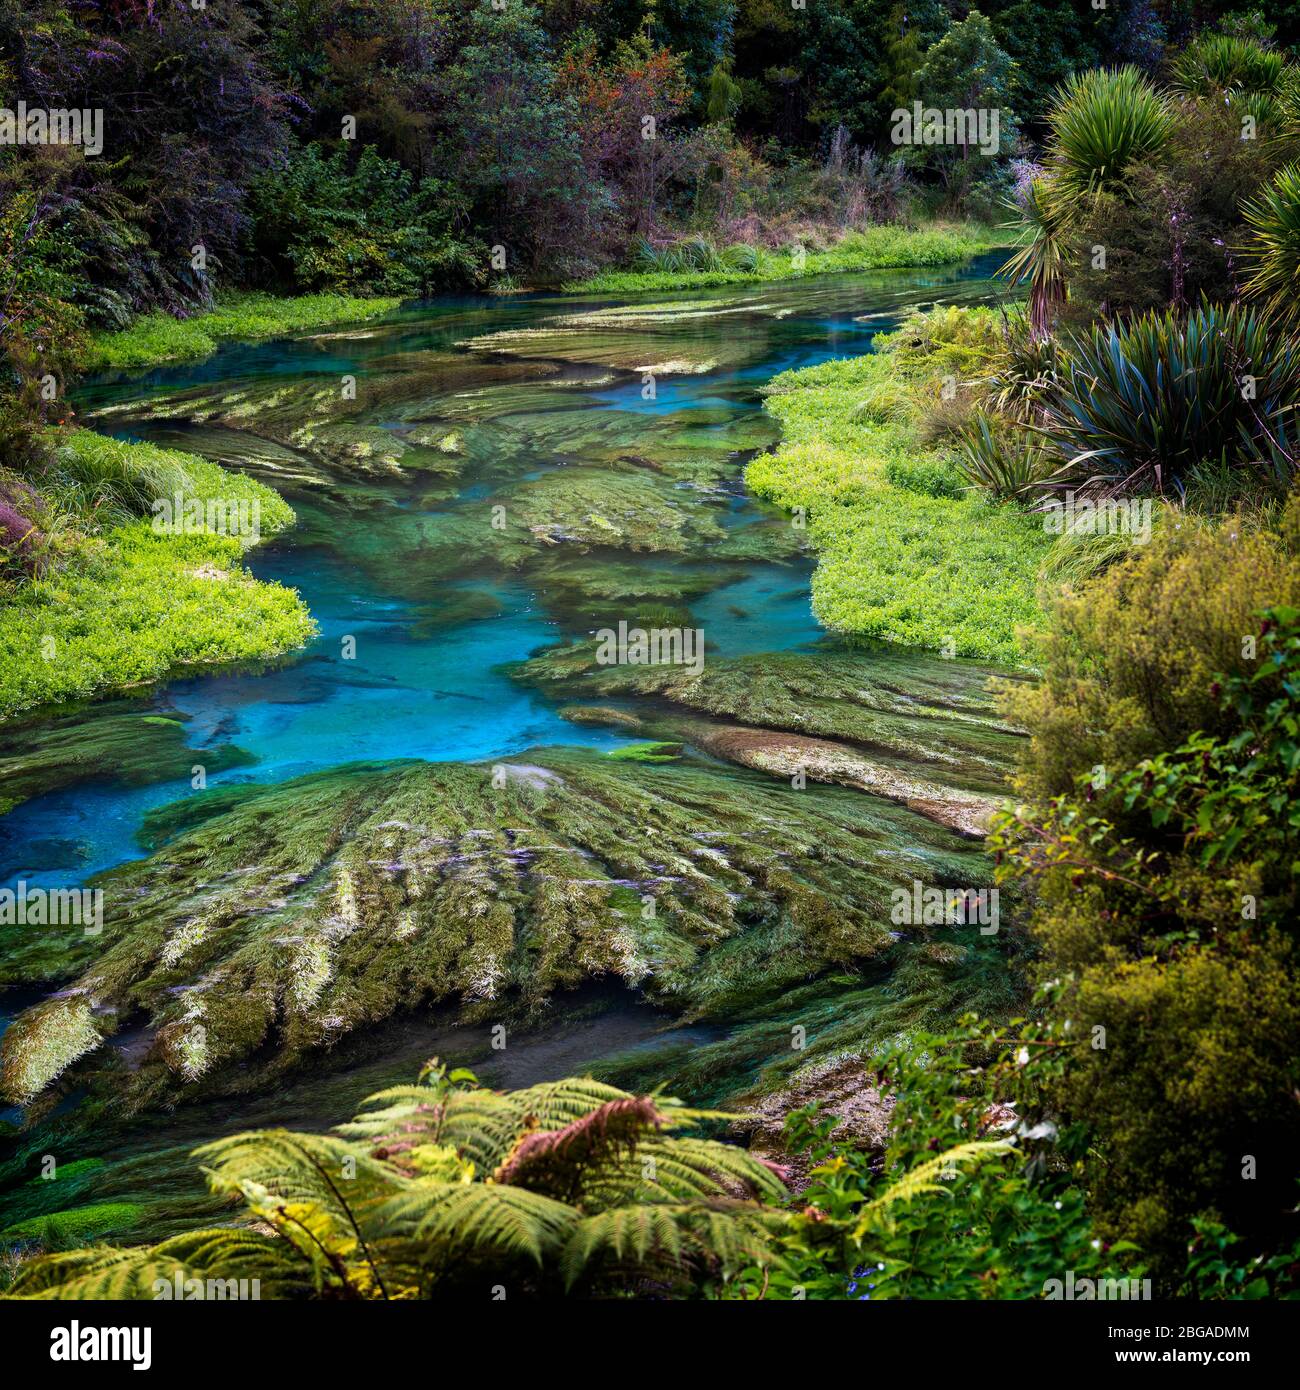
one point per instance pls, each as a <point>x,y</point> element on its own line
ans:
<point>225,1255</point>
<point>685,1167</point>
<point>927,1178</point>
<point>486,1218</point>
<point>678,1235</point>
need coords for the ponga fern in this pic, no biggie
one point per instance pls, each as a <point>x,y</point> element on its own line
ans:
<point>444,1186</point>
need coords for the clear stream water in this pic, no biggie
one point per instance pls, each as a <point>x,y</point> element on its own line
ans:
<point>372,557</point>
<point>441,695</point>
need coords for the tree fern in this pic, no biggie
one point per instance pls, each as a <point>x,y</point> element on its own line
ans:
<point>480,1217</point>
<point>729,1234</point>
<point>224,1254</point>
<point>434,1185</point>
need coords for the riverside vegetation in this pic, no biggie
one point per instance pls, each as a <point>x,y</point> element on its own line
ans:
<point>1059,547</point>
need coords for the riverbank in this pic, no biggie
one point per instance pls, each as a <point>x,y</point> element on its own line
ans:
<point>907,551</point>
<point>115,601</point>
<point>885,247</point>
<point>158,337</point>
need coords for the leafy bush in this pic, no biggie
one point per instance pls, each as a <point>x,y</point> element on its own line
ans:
<point>959,1208</point>
<point>371,227</point>
<point>1140,404</point>
<point>949,341</point>
<point>1129,664</point>
<point>1166,894</point>
<point>1172,229</point>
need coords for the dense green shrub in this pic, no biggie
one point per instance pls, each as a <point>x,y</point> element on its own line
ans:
<point>1166,897</point>
<point>1128,664</point>
<point>326,222</point>
<point>955,1210</point>
<point>1170,233</point>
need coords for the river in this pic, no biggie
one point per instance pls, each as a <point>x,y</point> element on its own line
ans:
<point>481,484</point>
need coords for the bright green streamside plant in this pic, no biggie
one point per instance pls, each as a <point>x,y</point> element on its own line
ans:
<point>1140,404</point>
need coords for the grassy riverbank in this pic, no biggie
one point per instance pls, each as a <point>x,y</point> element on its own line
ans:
<point>112,602</point>
<point>907,550</point>
<point>158,337</point>
<point>696,264</point>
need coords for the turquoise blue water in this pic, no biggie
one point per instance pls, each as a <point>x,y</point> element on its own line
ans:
<point>436,692</point>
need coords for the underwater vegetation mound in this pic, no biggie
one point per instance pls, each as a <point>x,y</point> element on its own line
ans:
<point>276,921</point>
<point>909,727</point>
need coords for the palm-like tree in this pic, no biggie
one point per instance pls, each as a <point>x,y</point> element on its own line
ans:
<point>1271,253</point>
<point>1042,260</point>
<point>1101,122</point>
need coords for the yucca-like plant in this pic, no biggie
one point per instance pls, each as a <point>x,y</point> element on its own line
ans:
<point>1219,65</point>
<point>1140,404</point>
<point>1271,253</point>
<point>1003,463</point>
<point>446,1186</point>
<point>1041,261</point>
<point>1023,372</point>
<point>1103,120</point>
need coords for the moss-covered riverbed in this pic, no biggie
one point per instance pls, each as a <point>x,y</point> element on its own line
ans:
<point>448,825</point>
